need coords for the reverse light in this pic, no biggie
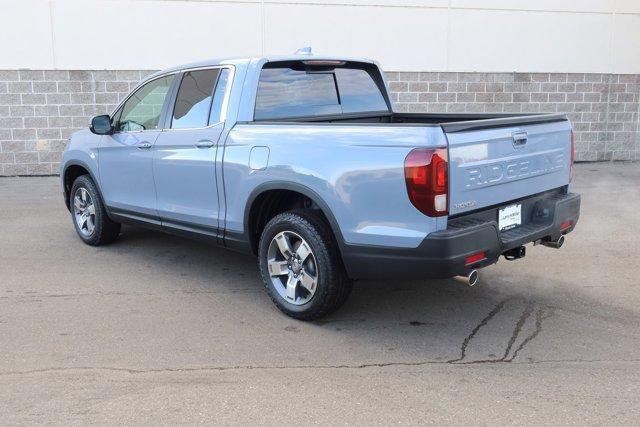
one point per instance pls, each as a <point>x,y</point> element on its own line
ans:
<point>426,176</point>
<point>475,258</point>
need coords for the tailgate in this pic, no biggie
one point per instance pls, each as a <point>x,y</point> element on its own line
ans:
<point>494,163</point>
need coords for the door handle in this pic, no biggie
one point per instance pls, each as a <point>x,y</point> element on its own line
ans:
<point>144,145</point>
<point>519,138</point>
<point>205,143</point>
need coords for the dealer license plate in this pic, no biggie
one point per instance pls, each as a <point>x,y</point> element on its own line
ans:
<point>509,217</point>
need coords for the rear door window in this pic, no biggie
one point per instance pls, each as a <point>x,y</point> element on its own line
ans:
<point>217,114</point>
<point>293,90</point>
<point>193,102</point>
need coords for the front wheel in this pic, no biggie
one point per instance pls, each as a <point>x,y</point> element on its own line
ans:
<point>90,218</point>
<point>301,266</point>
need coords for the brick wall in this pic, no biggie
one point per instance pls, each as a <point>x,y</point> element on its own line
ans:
<point>604,108</point>
<point>40,109</point>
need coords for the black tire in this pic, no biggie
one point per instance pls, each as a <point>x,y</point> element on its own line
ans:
<point>333,286</point>
<point>105,230</point>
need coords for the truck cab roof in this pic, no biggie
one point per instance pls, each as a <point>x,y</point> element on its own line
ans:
<point>260,60</point>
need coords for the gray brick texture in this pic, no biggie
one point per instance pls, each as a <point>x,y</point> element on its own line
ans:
<point>39,109</point>
<point>603,108</point>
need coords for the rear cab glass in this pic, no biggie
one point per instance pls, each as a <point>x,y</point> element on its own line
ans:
<point>305,89</point>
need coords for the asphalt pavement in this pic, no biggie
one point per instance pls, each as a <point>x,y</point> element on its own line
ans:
<point>159,329</point>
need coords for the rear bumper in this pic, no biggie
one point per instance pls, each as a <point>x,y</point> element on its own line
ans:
<point>443,254</point>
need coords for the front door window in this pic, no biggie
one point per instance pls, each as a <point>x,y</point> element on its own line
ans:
<point>142,110</point>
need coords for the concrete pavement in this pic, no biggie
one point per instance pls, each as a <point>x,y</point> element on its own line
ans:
<point>159,329</point>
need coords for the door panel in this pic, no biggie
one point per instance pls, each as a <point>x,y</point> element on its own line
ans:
<point>126,174</point>
<point>185,177</point>
<point>184,163</point>
<point>126,157</point>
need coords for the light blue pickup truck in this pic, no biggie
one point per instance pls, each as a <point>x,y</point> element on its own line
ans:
<point>301,161</point>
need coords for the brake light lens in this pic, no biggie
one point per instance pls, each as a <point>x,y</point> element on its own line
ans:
<point>323,62</point>
<point>426,176</point>
<point>573,143</point>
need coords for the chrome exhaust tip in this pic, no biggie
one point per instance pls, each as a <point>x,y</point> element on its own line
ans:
<point>470,279</point>
<point>557,244</point>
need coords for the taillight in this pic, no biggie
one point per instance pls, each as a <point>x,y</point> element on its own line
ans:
<point>573,151</point>
<point>425,173</point>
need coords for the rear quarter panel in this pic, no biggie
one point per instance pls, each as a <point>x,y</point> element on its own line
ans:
<point>357,171</point>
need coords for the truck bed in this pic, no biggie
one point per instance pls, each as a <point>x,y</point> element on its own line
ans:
<point>450,122</point>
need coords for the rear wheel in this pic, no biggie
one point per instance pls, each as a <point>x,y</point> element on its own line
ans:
<point>301,266</point>
<point>90,219</point>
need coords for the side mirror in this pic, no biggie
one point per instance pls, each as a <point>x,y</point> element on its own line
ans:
<point>101,125</point>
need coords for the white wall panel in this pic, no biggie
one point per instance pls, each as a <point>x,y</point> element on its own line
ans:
<point>401,38</point>
<point>529,41</point>
<point>626,44</point>
<point>25,34</point>
<point>628,6</point>
<point>391,3</point>
<point>152,34</point>
<point>604,6</point>
<point>440,35</point>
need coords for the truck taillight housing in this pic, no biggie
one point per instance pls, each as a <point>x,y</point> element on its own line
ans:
<point>573,153</point>
<point>426,176</point>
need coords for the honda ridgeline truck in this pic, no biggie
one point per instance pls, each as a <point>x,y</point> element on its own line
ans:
<point>301,161</point>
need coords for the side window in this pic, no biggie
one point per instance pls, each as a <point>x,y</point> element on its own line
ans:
<point>193,102</point>
<point>218,98</point>
<point>142,110</point>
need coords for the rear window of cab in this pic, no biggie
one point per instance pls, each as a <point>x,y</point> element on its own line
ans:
<point>298,89</point>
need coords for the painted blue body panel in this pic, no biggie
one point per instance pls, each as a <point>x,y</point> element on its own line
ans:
<point>126,171</point>
<point>81,150</point>
<point>486,167</point>
<point>355,171</point>
<point>185,176</point>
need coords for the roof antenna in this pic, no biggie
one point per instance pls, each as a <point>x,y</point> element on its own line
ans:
<point>304,51</point>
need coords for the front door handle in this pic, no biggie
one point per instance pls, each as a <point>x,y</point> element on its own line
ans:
<point>205,143</point>
<point>144,145</point>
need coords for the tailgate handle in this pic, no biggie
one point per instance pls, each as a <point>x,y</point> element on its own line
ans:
<point>519,138</point>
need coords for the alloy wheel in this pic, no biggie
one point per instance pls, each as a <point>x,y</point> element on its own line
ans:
<point>292,267</point>
<point>84,211</point>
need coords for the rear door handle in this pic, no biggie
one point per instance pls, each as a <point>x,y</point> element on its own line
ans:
<point>205,143</point>
<point>144,145</point>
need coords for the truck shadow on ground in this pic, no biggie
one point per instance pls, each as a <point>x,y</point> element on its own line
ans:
<point>495,321</point>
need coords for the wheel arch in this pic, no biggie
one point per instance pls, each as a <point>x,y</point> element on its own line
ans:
<point>285,186</point>
<point>73,170</point>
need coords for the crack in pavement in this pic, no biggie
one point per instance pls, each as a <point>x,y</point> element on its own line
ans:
<point>483,322</point>
<point>516,331</point>
<point>539,318</point>
<point>526,314</point>
<point>281,367</point>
